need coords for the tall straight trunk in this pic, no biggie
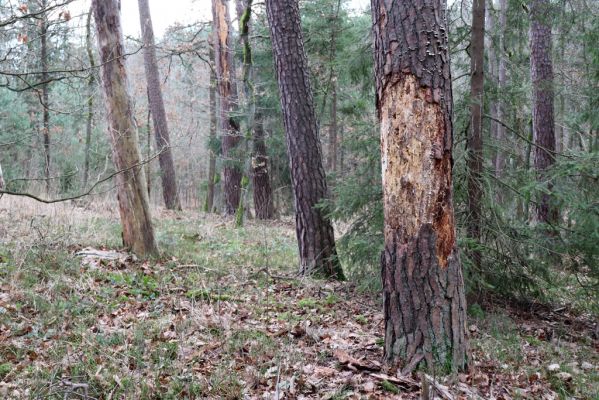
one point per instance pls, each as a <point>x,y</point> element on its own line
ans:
<point>260,164</point>
<point>91,82</point>
<point>149,150</point>
<point>2,185</point>
<point>341,150</point>
<point>45,94</point>
<point>499,162</point>
<point>314,229</point>
<point>423,290</point>
<point>227,90</point>
<point>156,104</point>
<point>138,232</point>
<point>209,207</point>
<point>541,71</point>
<point>333,130</point>
<point>475,137</point>
<point>492,75</point>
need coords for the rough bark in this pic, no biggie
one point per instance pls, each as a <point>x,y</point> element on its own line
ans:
<point>423,290</point>
<point>45,93</point>
<point>91,82</point>
<point>475,137</point>
<point>138,233</point>
<point>227,90</point>
<point>499,161</point>
<point>332,161</point>
<point>156,105</point>
<point>260,171</point>
<point>314,229</point>
<point>541,71</point>
<point>209,207</point>
<point>260,176</point>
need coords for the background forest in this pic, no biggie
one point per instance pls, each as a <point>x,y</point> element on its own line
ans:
<point>221,312</point>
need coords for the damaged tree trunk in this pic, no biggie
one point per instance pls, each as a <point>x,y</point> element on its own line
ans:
<point>314,229</point>
<point>156,105</point>
<point>138,233</point>
<point>227,90</point>
<point>423,289</point>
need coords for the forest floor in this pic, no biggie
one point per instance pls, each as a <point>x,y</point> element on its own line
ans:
<point>222,316</point>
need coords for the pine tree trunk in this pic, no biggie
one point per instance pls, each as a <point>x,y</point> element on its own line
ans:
<point>502,84</point>
<point>541,71</point>
<point>260,164</point>
<point>260,174</point>
<point>209,207</point>
<point>156,104</point>
<point>314,229</point>
<point>423,289</point>
<point>475,138</point>
<point>227,90</point>
<point>138,233</point>
<point>91,82</point>
<point>333,130</point>
<point>45,94</point>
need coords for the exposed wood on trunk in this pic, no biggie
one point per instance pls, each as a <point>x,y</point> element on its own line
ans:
<point>156,105</point>
<point>138,233</point>
<point>475,137</point>
<point>423,290</point>
<point>91,83</point>
<point>543,125</point>
<point>314,229</point>
<point>209,207</point>
<point>227,90</point>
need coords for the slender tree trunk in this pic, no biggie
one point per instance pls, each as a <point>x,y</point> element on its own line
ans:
<point>138,233</point>
<point>260,176</point>
<point>423,289</point>
<point>91,82</point>
<point>341,150</point>
<point>475,139</point>
<point>260,169</point>
<point>45,94</point>
<point>541,71</point>
<point>149,151</point>
<point>156,104</point>
<point>314,229</point>
<point>492,75</point>
<point>209,207</point>
<point>2,185</point>
<point>227,90</point>
<point>333,130</point>
<point>502,84</point>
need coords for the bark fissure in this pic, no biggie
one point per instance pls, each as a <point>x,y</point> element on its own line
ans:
<point>423,291</point>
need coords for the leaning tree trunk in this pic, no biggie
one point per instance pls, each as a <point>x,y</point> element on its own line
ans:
<point>541,71</point>
<point>227,90</point>
<point>138,233</point>
<point>423,289</point>
<point>212,138</point>
<point>314,229</point>
<point>475,138</point>
<point>91,82</point>
<point>45,94</point>
<point>156,105</point>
